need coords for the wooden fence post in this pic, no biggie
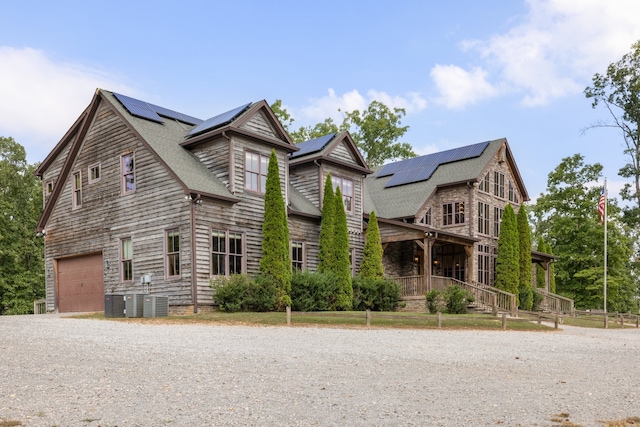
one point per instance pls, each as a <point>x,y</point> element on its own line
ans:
<point>555,325</point>
<point>368,317</point>
<point>622,321</point>
<point>504,321</point>
<point>439,320</point>
<point>288,315</point>
<point>539,318</point>
<point>606,321</point>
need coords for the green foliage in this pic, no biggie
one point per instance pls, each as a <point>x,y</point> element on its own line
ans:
<point>375,294</point>
<point>312,291</point>
<point>567,218</point>
<point>276,260</point>
<point>240,292</point>
<point>540,273</point>
<point>375,131</point>
<point>21,251</point>
<point>434,301</point>
<point>371,266</point>
<point>508,260</point>
<point>524,277</point>
<point>619,91</point>
<point>326,259</point>
<point>342,266</point>
<point>457,299</point>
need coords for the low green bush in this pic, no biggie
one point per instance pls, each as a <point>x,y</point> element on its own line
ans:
<point>434,301</point>
<point>375,294</point>
<point>239,292</point>
<point>457,299</point>
<point>312,291</point>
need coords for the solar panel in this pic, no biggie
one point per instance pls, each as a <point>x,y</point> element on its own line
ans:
<point>312,145</point>
<point>153,112</point>
<point>219,120</point>
<point>138,108</point>
<point>421,168</point>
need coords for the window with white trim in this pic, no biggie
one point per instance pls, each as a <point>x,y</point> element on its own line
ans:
<point>94,173</point>
<point>226,253</point>
<point>256,167</point>
<point>172,255</point>
<point>346,188</point>
<point>297,255</point>
<point>127,170</point>
<point>126,260</point>
<point>77,189</point>
<point>484,264</point>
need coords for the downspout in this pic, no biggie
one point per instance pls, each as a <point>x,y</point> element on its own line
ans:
<point>194,269</point>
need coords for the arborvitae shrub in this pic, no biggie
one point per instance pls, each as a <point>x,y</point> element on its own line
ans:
<point>313,291</point>
<point>239,292</point>
<point>375,294</point>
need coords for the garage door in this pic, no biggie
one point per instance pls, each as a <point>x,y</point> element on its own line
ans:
<point>80,284</point>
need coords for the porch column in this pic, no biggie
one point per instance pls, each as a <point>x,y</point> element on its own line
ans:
<point>547,276</point>
<point>426,262</point>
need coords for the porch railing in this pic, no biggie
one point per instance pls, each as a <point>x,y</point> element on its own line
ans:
<point>485,296</point>
<point>555,303</point>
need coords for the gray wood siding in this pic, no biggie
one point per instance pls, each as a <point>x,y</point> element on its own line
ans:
<point>106,215</point>
<point>354,218</point>
<point>53,171</point>
<point>215,155</point>
<point>307,231</point>
<point>341,152</point>
<point>259,124</point>
<point>305,179</point>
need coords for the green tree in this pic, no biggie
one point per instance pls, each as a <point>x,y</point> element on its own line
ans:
<point>326,260</point>
<point>525,278</point>
<point>342,262</point>
<point>276,261</point>
<point>619,91</point>
<point>371,266</point>
<point>508,260</point>
<point>21,251</point>
<point>375,131</point>
<point>567,219</point>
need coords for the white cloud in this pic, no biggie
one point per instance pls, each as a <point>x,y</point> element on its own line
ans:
<point>458,87</point>
<point>328,106</point>
<point>552,52</point>
<point>41,98</point>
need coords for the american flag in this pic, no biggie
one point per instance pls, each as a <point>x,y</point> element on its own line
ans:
<point>601,203</point>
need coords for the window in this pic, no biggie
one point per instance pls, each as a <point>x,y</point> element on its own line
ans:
<point>297,255</point>
<point>94,173</point>
<point>126,260</point>
<point>484,263</point>
<point>513,193</point>
<point>77,189</point>
<point>256,166</point>
<point>497,217</point>
<point>483,218</point>
<point>173,253</point>
<point>484,184</point>
<point>453,213</point>
<point>346,188</point>
<point>128,173</point>
<point>426,219</point>
<point>498,184</point>
<point>226,253</point>
<point>49,187</point>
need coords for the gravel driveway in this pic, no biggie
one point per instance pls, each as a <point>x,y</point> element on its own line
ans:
<point>56,371</point>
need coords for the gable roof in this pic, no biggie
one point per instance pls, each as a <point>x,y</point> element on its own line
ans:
<point>405,200</point>
<point>321,150</point>
<point>165,140</point>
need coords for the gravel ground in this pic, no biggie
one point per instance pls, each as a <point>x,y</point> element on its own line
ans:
<point>57,371</point>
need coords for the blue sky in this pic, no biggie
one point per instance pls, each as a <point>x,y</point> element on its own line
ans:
<point>465,71</point>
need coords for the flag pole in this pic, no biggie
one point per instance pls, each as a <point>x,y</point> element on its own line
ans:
<point>606,197</point>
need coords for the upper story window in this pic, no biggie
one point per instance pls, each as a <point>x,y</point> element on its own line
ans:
<point>173,253</point>
<point>484,184</point>
<point>127,167</point>
<point>498,184</point>
<point>48,187</point>
<point>256,166</point>
<point>346,188</point>
<point>513,193</point>
<point>426,219</point>
<point>297,255</point>
<point>94,173</point>
<point>497,217</point>
<point>226,253</point>
<point>453,213</point>
<point>483,218</point>
<point>77,189</point>
<point>126,260</point>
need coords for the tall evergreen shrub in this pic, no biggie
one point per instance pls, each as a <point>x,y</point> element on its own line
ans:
<point>342,266</point>
<point>508,260</point>
<point>525,278</point>
<point>327,225</point>
<point>276,261</point>
<point>371,267</point>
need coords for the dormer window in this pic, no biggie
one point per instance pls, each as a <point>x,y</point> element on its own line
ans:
<point>256,166</point>
<point>346,188</point>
